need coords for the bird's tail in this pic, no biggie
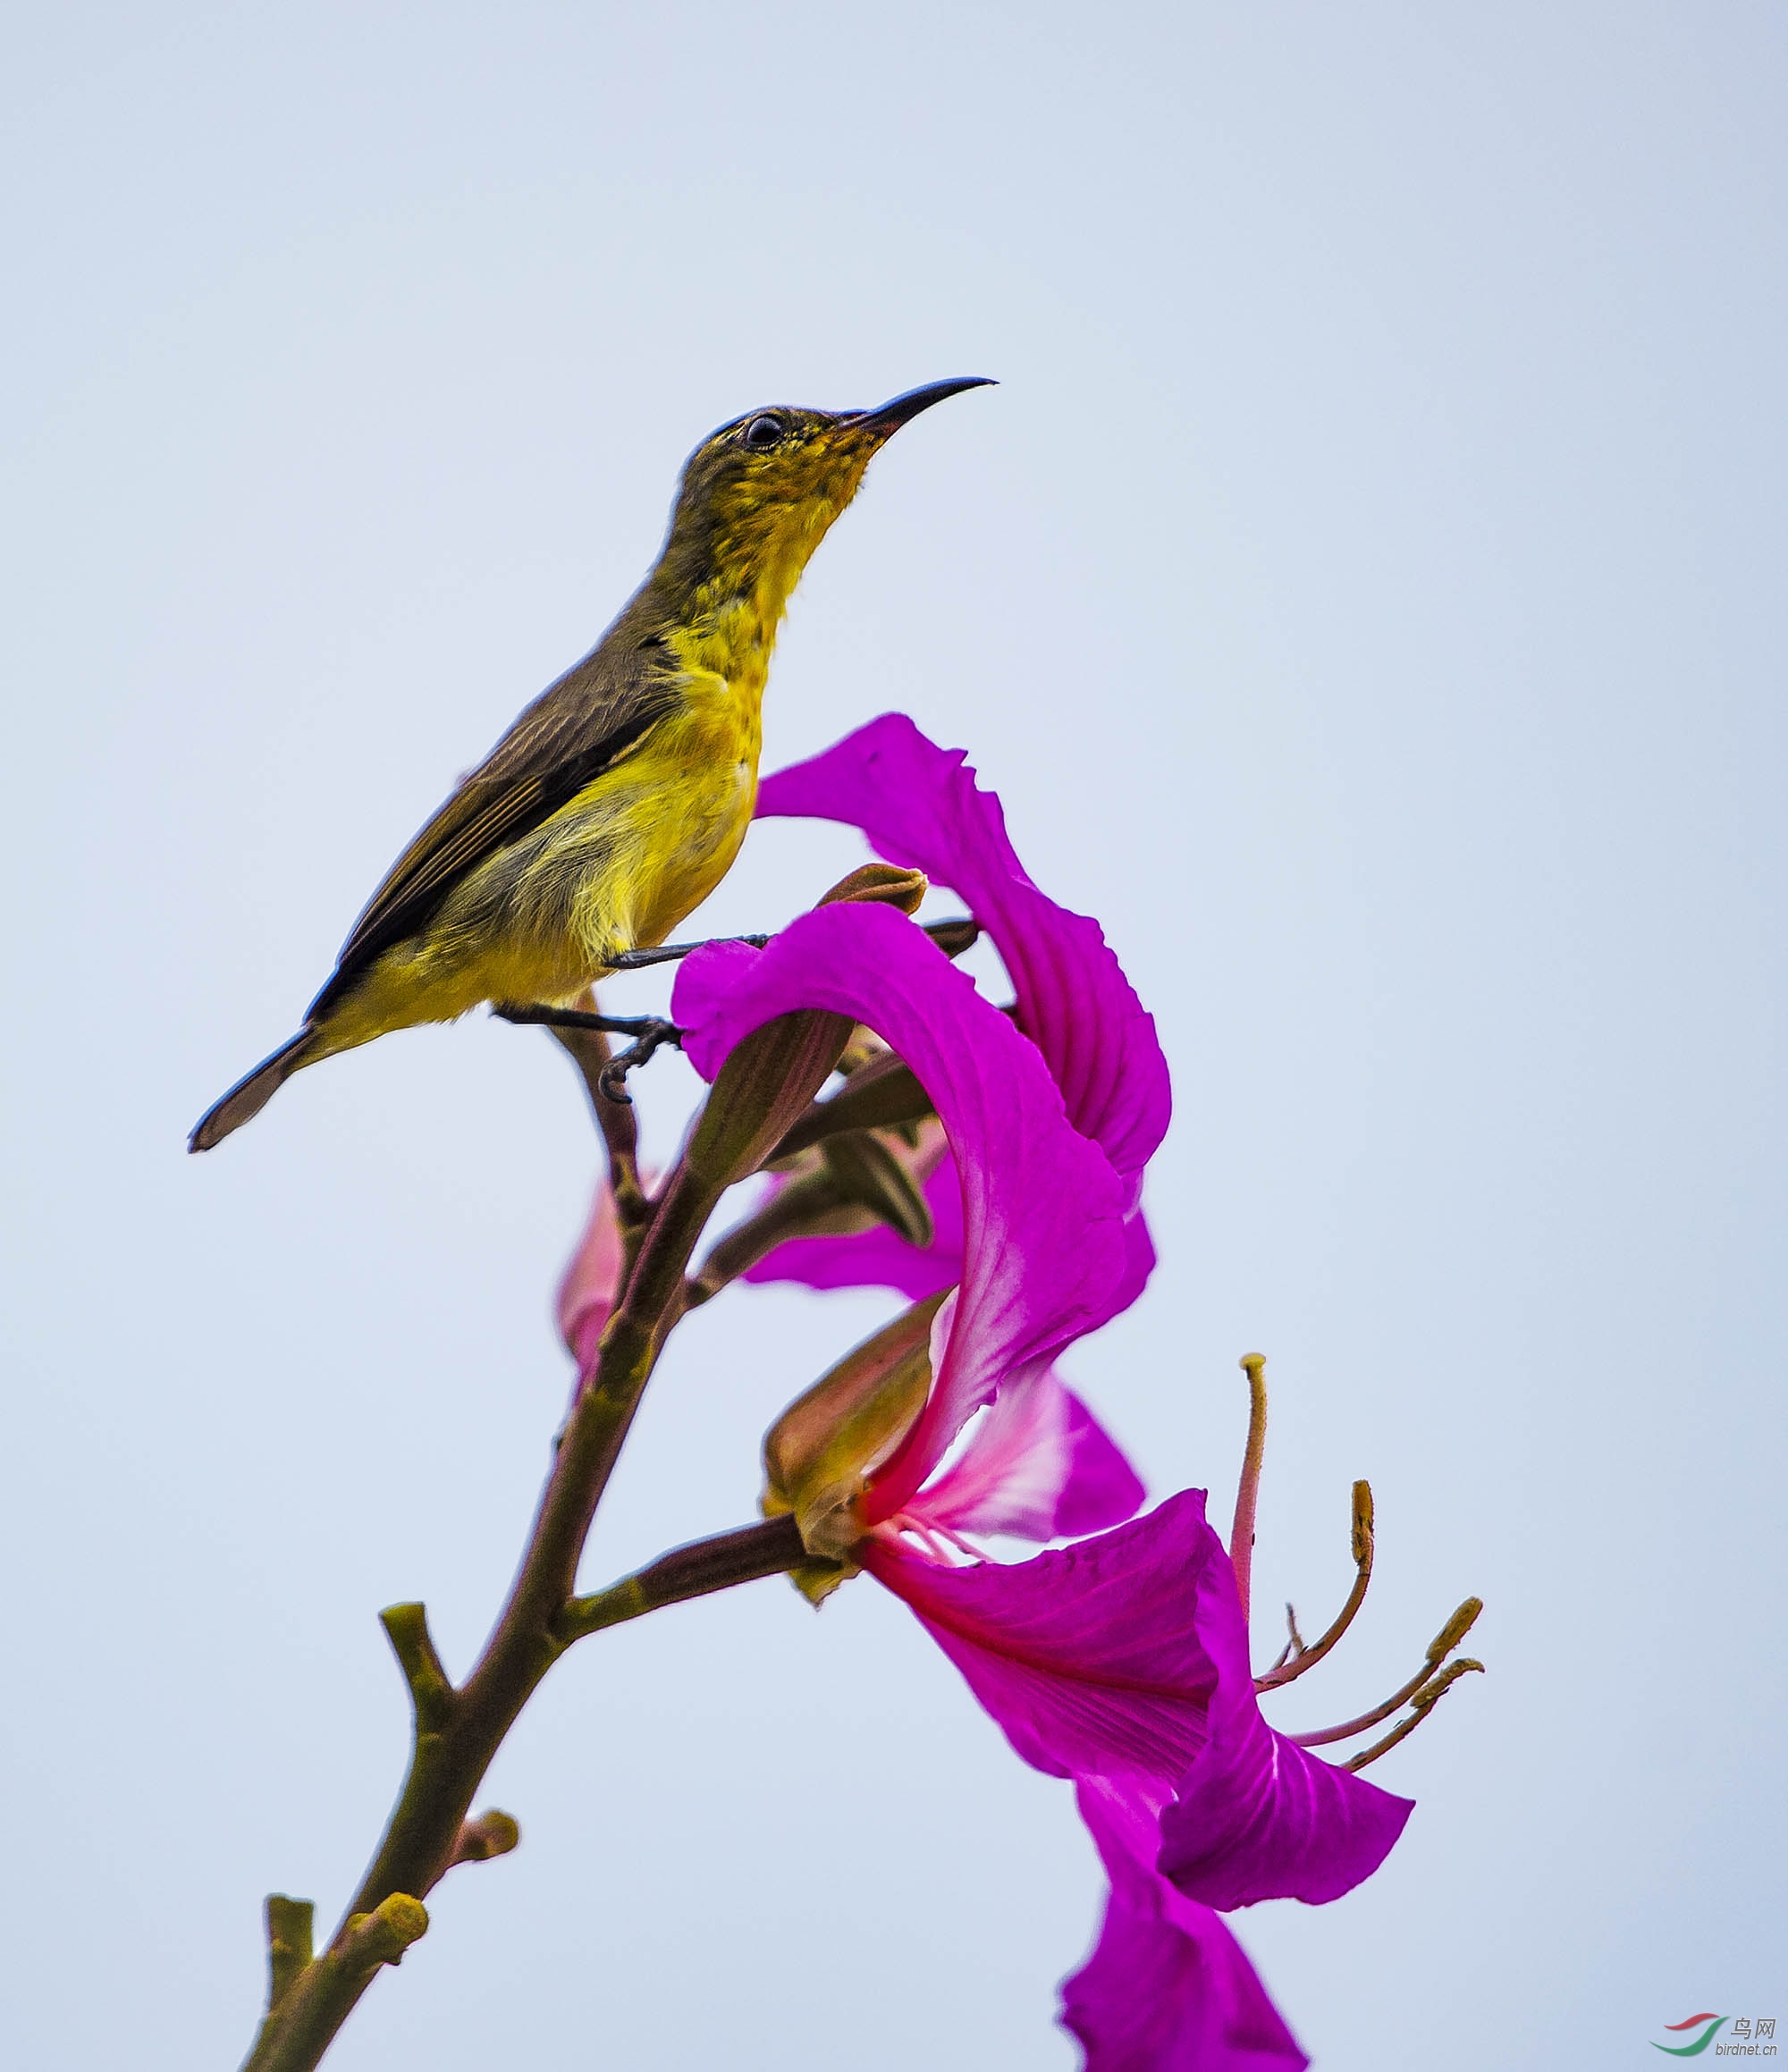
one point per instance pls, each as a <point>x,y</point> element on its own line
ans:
<point>250,1096</point>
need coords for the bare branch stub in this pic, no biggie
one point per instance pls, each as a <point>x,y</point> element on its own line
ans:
<point>770,1080</point>
<point>290,1926</point>
<point>430,1690</point>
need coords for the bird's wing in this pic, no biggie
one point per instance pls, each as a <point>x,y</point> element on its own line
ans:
<point>564,741</point>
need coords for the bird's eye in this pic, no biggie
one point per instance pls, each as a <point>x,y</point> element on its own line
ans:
<point>763,431</point>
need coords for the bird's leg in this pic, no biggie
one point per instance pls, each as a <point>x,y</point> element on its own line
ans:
<point>635,1025</point>
<point>637,960</point>
<point>650,1034</point>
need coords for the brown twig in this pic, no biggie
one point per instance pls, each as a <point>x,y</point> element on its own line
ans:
<point>592,1053</point>
<point>772,1076</point>
<point>767,1083</point>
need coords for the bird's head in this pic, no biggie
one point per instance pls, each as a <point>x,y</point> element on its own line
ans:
<point>758,495</point>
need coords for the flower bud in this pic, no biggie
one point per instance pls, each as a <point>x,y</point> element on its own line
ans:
<point>768,1080</point>
<point>868,1174</point>
<point>774,1075</point>
<point>881,1091</point>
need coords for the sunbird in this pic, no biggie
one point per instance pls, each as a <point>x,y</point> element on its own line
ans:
<point>618,801</point>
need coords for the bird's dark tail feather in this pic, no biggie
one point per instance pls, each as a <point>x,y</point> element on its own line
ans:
<point>250,1096</point>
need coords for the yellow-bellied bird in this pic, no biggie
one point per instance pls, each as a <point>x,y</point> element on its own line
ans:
<point>618,799</point>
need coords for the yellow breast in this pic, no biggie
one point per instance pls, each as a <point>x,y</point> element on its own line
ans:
<point>674,812</point>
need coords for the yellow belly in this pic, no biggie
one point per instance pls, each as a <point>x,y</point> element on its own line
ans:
<point>615,868</point>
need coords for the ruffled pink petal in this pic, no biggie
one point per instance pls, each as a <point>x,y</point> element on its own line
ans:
<point>591,1286</point>
<point>919,805</point>
<point>1037,1466</point>
<point>1089,1658</point>
<point>1168,1988</point>
<point>1044,1245</point>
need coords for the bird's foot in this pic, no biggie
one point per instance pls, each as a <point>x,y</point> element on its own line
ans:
<point>650,1034</point>
<point>654,1033</point>
<point>637,960</point>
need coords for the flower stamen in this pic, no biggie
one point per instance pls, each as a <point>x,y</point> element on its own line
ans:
<point>937,1542</point>
<point>1295,1644</point>
<point>1297,1657</point>
<point>1430,1682</point>
<point>1443,1644</point>
<point>1248,1490</point>
<point>1421,1704</point>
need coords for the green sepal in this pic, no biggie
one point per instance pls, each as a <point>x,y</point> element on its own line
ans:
<point>816,1581</point>
<point>820,1453</point>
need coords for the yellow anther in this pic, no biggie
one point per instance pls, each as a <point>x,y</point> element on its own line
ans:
<point>1362,1525</point>
<point>1422,1705</point>
<point>1456,1629</point>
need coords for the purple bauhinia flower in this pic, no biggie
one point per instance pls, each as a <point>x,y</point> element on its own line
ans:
<point>1120,1661</point>
<point>1122,1664</point>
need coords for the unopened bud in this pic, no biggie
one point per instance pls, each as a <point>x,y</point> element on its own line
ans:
<point>493,1834</point>
<point>381,1936</point>
<point>880,885</point>
<point>870,1175</point>
<point>954,938</point>
<point>774,1075</point>
<point>881,1092</point>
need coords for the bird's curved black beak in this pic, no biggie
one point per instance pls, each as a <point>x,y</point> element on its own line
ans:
<point>902,409</point>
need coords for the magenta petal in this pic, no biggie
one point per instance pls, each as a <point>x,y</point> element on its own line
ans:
<point>1255,1817</point>
<point>1037,1466</point>
<point>1127,1654</point>
<point>1043,1245</point>
<point>1168,1988</point>
<point>1102,1488</point>
<point>919,805</point>
<point>1090,1658</point>
<point>879,1258</point>
<point>1139,1261</point>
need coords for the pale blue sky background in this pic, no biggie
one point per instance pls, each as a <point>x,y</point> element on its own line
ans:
<point>1365,591</point>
